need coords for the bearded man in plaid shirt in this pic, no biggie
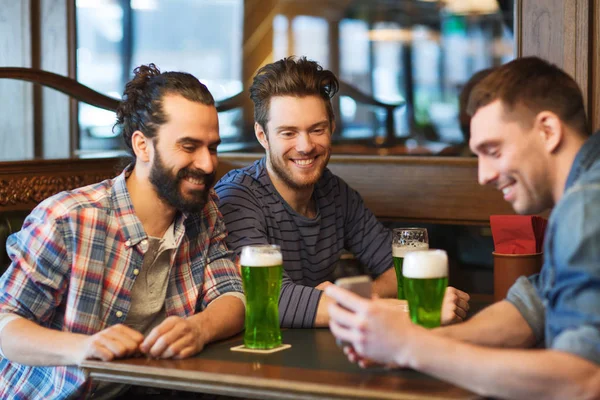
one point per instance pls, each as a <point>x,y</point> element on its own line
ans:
<point>133,265</point>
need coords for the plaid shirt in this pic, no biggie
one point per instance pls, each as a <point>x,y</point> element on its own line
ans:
<point>73,268</point>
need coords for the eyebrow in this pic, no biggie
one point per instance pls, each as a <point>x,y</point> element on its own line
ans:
<point>294,128</point>
<point>189,140</point>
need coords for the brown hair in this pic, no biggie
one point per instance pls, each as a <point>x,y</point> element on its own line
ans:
<point>141,107</point>
<point>291,76</point>
<point>533,85</point>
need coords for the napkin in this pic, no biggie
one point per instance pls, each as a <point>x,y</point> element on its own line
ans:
<point>518,234</point>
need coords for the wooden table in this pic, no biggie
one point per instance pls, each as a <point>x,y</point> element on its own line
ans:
<point>314,368</point>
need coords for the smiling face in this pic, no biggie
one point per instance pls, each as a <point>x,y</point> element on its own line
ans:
<point>297,140</point>
<point>185,154</point>
<point>512,158</point>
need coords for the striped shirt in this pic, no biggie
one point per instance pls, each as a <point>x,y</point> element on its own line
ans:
<point>255,213</point>
<point>74,264</point>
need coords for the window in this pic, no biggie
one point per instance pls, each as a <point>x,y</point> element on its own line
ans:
<point>414,56</point>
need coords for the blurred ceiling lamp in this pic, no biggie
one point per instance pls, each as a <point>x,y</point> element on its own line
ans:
<point>471,6</point>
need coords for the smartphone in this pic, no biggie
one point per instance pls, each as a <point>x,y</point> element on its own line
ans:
<point>361,285</point>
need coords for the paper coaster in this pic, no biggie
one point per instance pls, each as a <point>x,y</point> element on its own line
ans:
<point>244,349</point>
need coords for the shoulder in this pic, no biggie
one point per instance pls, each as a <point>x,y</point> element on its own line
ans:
<point>575,223</point>
<point>335,188</point>
<point>63,204</point>
<point>248,182</point>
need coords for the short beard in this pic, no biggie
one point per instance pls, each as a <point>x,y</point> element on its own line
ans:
<point>287,178</point>
<point>168,186</point>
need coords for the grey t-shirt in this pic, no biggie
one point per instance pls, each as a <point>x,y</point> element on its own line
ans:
<point>255,213</point>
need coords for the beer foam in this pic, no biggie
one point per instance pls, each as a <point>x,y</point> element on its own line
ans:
<point>425,264</point>
<point>260,259</point>
<point>400,250</point>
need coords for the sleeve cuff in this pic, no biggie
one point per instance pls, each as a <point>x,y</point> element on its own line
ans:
<point>234,294</point>
<point>583,341</point>
<point>5,319</point>
<point>525,298</point>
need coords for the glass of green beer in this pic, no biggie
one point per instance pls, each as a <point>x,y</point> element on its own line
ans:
<point>404,241</point>
<point>425,281</point>
<point>262,267</point>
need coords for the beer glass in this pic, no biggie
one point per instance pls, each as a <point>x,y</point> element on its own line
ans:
<point>425,281</point>
<point>262,267</point>
<point>404,241</point>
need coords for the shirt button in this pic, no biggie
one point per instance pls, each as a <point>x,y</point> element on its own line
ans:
<point>136,271</point>
<point>128,243</point>
<point>119,314</point>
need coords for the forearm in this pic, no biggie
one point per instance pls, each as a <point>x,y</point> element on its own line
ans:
<point>518,374</point>
<point>224,317</point>
<point>499,325</point>
<point>25,342</point>
<point>386,284</point>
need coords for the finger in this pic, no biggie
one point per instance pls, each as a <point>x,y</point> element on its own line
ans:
<point>117,348</point>
<point>186,352</point>
<point>462,314</point>
<point>156,333</point>
<point>463,295</point>
<point>99,352</point>
<point>129,332</point>
<point>166,340</point>
<point>346,298</point>
<point>342,333</point>
<point>463,305</point>
<point>343,316</point>
<point>176,347</point>
<point>130,345</point>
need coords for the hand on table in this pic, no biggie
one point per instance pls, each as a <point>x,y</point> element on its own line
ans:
<point>175,337</point>
<point>455,306</point>
<point>117,341</point>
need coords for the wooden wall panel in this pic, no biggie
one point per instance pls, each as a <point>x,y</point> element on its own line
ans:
<point>16,110</point>
<point>425,189</point>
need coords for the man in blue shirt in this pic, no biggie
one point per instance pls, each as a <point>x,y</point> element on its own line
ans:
<point>530,132</point>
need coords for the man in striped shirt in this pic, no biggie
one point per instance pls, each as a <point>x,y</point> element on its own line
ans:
<point>133,265</point>
<point>291,199</point>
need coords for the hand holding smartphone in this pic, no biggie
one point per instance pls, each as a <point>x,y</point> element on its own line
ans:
<point>361,285</point>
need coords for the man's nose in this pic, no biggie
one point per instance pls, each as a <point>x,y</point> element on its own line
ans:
<point>304,143</point>
<point>487,174</point>
<point>204,161</point>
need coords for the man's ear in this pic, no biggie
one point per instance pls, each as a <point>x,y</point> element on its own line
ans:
<point>551,129</point>
<point>261,135</point>
<point>141,146</point>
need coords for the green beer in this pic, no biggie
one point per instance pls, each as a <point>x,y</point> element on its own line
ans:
<point>262,267</point>
<point>425,282</point>
<point>398,252</point>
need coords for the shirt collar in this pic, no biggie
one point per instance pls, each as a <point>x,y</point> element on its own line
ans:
<point>122,206</point>
<point>585,158</point>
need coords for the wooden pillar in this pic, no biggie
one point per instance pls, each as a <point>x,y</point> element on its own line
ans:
<point>562,33</point>
<point>257,50</point>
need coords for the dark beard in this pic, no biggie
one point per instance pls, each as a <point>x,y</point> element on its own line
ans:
<point>168,186</point>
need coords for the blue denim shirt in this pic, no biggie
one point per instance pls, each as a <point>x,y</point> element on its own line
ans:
<point>562,302</point>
